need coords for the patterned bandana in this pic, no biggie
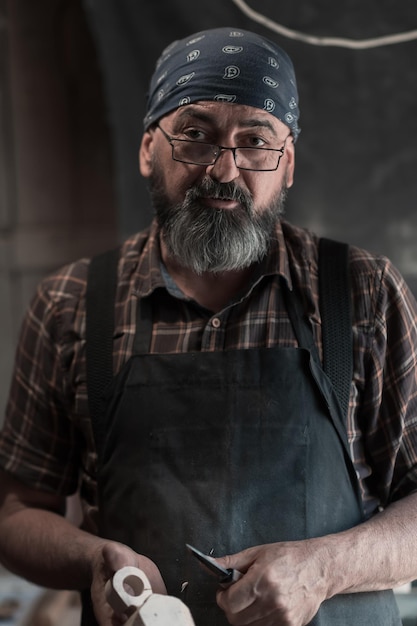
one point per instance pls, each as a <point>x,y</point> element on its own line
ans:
<point>225,65</point>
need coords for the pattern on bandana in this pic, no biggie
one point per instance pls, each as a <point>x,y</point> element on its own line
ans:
<point>225,65</point>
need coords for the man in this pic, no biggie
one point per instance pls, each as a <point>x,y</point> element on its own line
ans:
<point>220,427</point>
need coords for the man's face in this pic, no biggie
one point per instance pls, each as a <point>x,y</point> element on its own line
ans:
<point>217,217</point>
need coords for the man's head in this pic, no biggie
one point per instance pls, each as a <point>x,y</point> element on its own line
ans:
<point>218,147</point>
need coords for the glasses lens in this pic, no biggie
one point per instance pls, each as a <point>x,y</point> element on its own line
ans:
<point>194,152</point>
<point>257,158</point>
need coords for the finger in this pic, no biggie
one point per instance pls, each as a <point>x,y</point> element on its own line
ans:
<point>117,620</point>
<point>236,598</point>
<point>240,560</point>
<point>104,615</point>
<point>254,615</point>
<point>116,556</point>
<point>254,612</point>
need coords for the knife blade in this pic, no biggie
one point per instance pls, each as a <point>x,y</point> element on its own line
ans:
<point>226,575</point>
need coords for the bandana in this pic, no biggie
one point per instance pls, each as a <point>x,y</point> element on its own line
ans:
<point>225,65</point>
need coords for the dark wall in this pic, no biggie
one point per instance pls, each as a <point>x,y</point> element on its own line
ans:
<point>356,176</point>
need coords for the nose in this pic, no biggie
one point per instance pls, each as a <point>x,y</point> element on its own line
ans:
<point>224,169</point>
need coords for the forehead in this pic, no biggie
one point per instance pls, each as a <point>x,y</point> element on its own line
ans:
<point>227,115</point>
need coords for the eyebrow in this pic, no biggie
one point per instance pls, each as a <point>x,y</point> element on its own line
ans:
<point>253,122</point>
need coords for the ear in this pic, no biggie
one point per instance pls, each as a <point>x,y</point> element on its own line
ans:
<point>289,162</point>
<point>145,154</point>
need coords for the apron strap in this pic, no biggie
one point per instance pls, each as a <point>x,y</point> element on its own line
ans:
<point>100,300</point>
<point>336,315</point>
<point>143,332</point>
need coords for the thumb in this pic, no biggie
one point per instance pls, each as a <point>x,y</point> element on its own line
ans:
<point>240,561</point>
<point>117,555</point>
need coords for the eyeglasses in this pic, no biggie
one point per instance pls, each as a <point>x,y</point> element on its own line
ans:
<point>200,153</point>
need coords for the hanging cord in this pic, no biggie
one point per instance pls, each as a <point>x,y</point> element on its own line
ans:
<point>340,42</point>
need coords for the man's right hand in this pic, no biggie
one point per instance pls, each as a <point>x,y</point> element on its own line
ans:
<point>110,557</point>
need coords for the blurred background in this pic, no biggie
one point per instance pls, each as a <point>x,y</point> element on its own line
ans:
<point>73,80</point>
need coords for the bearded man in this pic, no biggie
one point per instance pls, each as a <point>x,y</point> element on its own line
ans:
<point>180,384</point>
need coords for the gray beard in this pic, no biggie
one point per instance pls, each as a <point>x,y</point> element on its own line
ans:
<point>208,240</point>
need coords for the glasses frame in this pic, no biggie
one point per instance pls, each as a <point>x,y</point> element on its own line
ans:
<point>218,149</point>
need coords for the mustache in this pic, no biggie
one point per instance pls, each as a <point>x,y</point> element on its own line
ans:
<point>209,188</point>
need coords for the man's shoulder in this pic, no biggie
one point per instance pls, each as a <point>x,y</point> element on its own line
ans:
<point>369,271</point>
<point>305,242</point>
<point>70,280</point>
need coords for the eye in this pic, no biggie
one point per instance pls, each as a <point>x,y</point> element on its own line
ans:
<point>252,141</point>
<point>256,142</point>
<point>195,134</point>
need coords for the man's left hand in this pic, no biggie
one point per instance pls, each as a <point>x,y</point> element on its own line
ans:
<point>283,584</point>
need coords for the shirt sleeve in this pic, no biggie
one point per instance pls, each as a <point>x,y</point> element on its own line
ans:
<point>38,443</point>
<point>386,336</point>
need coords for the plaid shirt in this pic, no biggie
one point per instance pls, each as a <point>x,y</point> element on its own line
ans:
<point>47,440</point>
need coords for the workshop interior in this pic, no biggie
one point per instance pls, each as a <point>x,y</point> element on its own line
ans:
<point>73,81</point>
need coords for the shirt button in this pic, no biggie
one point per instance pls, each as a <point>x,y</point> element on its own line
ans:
<point>215,322</point>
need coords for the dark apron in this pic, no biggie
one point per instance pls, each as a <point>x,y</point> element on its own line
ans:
<point>227,450</point>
